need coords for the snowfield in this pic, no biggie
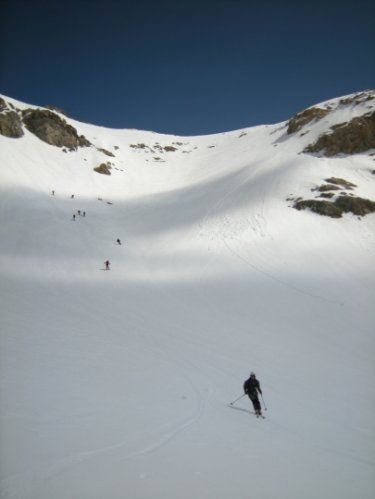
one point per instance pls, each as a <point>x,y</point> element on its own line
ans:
<point>117,384</point>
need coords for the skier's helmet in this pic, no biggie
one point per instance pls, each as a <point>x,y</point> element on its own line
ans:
<point>252,374</point>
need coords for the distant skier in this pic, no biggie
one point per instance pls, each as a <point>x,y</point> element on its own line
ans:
<point>72,196</point>
<point>107,264</point>
<point>53,193</point>
<point>74,218</point>
<point>79,212</point>
<point>251,386</point>
<point>118,241</point>
<point>84,214</point>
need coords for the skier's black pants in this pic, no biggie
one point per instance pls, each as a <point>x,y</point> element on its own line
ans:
<point>253,396</point>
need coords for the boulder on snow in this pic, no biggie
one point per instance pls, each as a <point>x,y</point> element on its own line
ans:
<point>103,168</point>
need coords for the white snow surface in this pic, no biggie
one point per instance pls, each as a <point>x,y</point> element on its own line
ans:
<point>117,384</point>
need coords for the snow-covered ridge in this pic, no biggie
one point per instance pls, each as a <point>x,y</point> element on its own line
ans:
<point>114,152</point>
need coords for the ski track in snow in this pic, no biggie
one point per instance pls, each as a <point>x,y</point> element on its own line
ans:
<point>162,437</point>
<point>280,281</point>
<point>162,440</point>
<point>258,223</point>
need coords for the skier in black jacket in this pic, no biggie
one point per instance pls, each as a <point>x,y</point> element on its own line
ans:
<point>252,387</point>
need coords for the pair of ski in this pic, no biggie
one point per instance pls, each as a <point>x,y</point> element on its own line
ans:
<point>247,410</point>
<point>259,415</point>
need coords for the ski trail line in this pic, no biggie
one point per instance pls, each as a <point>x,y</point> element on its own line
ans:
<point>280,281</point>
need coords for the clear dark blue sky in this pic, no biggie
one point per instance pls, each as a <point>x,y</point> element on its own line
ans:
<point>185,67</point>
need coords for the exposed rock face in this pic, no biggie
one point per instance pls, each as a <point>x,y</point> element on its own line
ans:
<point>10,124</point>
<point>358,135</point>
<point>52,129</point>
<point>301,119</point>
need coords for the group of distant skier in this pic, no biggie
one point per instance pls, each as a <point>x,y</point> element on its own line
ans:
<point>83,214</point>
<point>107,263</point>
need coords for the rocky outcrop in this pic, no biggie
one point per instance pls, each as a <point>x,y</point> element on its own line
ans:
<point>356,136</point>
<point>335,209</point>
<point>46,124</point>
<point>344,202</point>
<point>10,124</point>
<point>54,130</point>
<point>301,119</point>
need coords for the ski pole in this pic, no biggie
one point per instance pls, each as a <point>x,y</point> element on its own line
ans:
<point>265,408</point>
<point>237,399</point>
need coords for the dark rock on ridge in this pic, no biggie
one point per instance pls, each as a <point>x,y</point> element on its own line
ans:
<point>57,109</point>
<point>301,119</point>
<point>3,105</point>
<point>51,128</point>
<point>10,124</point>
<point>356,136</point>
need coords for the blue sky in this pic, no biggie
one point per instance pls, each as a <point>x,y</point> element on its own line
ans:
<point>185,67</point>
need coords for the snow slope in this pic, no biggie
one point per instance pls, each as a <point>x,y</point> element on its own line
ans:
<point>116,384</point>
